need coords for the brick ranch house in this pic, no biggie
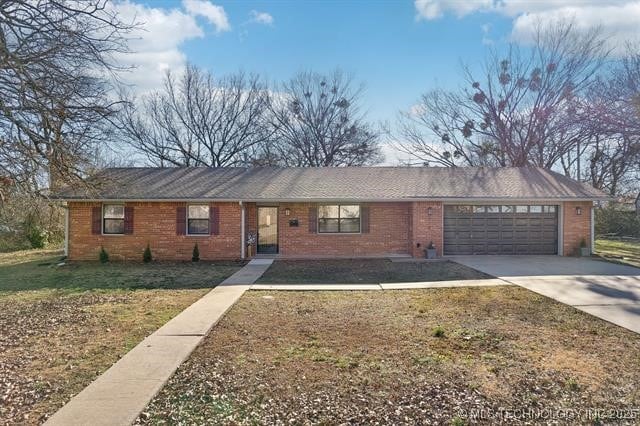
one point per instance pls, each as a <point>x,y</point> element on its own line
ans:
<point>327,212</point>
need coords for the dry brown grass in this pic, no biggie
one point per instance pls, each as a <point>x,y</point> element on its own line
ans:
<point>52,344</point>
<point>361,357</point>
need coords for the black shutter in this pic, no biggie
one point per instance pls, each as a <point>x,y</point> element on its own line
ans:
<point>313,220</point>
<point>128,220</point>
<point>181,220</point>
<point>96,220</point>
<point>214,220</point>
<point>364,219</point>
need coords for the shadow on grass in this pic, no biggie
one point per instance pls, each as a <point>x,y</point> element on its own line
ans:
<point>46,273</point>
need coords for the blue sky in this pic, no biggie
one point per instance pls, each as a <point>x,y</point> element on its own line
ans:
<point>381,43</point>
<point>397,48</point>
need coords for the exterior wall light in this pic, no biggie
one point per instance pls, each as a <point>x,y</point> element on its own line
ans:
<point>429,211</point>
<point>579,211</point>
<point>287,211</point>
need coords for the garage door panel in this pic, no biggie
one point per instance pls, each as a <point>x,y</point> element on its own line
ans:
<point>482,230</point>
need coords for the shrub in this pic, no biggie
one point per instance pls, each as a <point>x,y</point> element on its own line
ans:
<point>583,243</point>
<point>146,256</point>
<point>37,237</point>
<point>104,256</point>
<point>613,220</point>
<point>196,253</point>
<point>438,332</point>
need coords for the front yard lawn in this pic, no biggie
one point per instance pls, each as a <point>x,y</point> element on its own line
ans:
<point>399,357</point>
<point>364,271</point>
<point>622,251</point>
<point>62,326</point>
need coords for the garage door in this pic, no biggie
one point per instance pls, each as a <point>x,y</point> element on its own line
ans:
<point>521,229</point>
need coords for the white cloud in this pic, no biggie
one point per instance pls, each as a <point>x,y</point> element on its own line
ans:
<point>260,17</point>
<point>433,9</point>
<point>213,13</point>
<point>155,45</point>
<point>618,18</point>
<point>620,22</point>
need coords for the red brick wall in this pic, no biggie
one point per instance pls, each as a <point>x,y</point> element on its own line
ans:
<point>426,227</point>
<point>395,228</point>
<point>154,223</point>
<point>575,227</point>
<point>388,233</point>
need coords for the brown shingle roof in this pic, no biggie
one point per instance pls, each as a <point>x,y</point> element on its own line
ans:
<point>332,183</point>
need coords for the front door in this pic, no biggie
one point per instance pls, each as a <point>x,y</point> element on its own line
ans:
<point>267,230</point>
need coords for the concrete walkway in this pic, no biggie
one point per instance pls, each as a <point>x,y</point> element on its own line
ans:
<point>380,286</point>
<point>119,395</point>
<point>606,290</point>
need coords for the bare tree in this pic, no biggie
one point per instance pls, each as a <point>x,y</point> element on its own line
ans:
<point>197,120</point>
<point>318,123</point>
<point>519,113</point>
<point>56,69</point>
<point>611,115</point>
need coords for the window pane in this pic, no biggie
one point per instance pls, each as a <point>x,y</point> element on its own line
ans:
<point>349,211</point>
<point>493,209</point>
<point>549,209</point>
<point>478,209</point>
<point>113,226</point>
<point>522,209</point>
<point>198,226</point>
<point>328,212</point>
<point>114,211</point>
<point>507,209</point>
<point>463,209</point>
<point>535,209</point>
<point>328,225</point>
<point>349,225</point>
<point>198,212</point>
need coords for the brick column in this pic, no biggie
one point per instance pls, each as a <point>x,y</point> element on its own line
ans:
<point>426,226</point>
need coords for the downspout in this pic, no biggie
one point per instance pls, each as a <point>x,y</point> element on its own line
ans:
<point>593,227</point>
<point>66,230</point>
<point>561,229</point>
<point>242,231</point>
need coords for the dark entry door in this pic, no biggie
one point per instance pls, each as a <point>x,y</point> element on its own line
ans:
<point>267,230</point>
<point>517,229</point>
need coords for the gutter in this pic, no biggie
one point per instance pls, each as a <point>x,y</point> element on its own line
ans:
<point>468,200</point>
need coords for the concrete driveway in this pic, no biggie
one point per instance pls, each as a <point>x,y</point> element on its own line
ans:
<point>606,290</point>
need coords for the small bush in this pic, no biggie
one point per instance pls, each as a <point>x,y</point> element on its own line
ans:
<point>37,237</point>
<point>196,253</point>
<point>438,332</point>
<point>614,220</point>
<point>146,256</point>
<point>583,243</point>
<point>104,256</point>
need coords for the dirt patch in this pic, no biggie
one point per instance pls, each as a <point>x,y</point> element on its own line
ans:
<point>53,344</point>
<point>364,271</point>
<point>399,357</point>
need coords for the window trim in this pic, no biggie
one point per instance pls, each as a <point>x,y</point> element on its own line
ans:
<point>103,219</point>
<point>208,219</point>
<point>339,232</point>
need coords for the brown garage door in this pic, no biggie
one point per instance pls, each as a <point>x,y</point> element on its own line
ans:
<point>490,229</point>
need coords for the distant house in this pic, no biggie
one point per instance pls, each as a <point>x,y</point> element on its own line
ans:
<point>328,212</point>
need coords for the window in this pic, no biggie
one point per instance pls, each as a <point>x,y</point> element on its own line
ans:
<point>535,209</point>
<point>198,220</point>
<point>113,219</point>
<point>462,209</point>
<point>522,209</point>
<point>507,209</point>
<point>493,209</point>
<point>478,209</point>
<point>339,219</point>
<point>549,209</point>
